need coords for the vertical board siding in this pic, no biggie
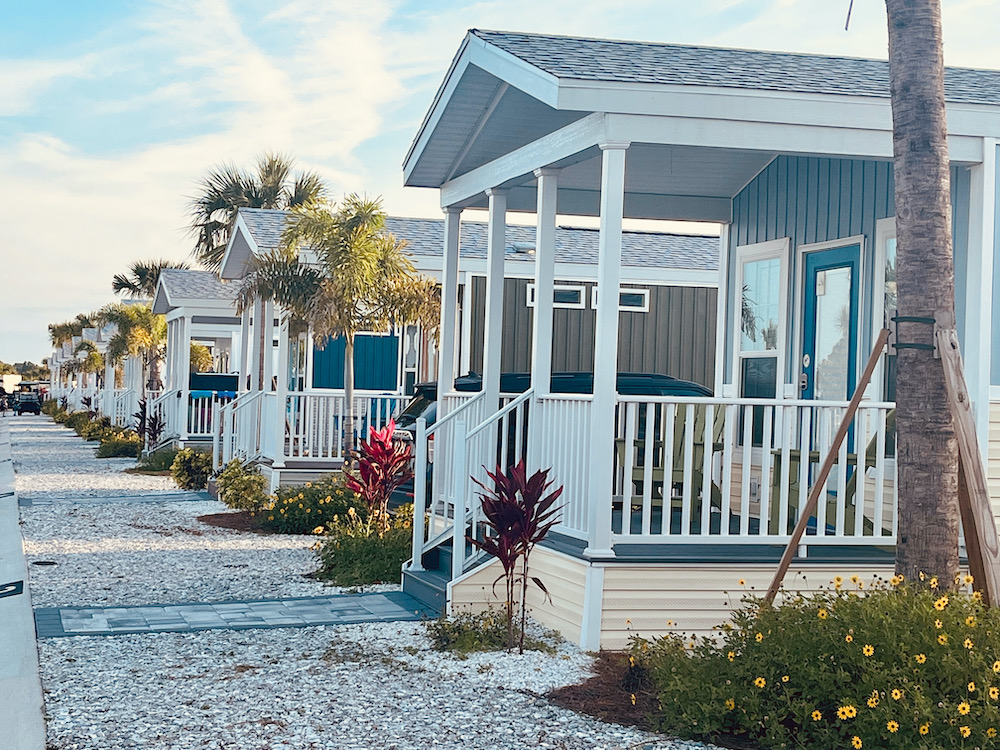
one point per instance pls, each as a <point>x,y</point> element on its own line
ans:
<point>376,362</point>
<point>995,362</point>
<point>676,337</point>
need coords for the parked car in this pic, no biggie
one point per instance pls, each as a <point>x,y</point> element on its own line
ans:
<point>26,401</point>
<point>424,401</point>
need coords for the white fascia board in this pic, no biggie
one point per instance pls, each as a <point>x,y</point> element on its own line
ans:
<point>213,330</point>
<point>199,306</point>
<point>569,272</point>
<point>522,162</point>
<point>508,68</point>
<point>233,268</point>
<point>161,300</point>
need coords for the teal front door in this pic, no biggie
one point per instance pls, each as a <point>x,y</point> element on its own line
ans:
<point>830,325</point>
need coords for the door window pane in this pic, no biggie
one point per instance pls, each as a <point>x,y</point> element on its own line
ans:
<point>760,305</point>
<point>889,371</point>
<point>833,333</point>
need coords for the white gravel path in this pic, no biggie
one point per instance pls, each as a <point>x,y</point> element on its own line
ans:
<point>317,688</point>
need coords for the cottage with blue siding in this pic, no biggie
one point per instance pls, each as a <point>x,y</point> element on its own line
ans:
<point>669,500</point>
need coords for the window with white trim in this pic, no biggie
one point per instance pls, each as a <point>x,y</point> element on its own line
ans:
<point>885,288</point>
<point>563,295</point>
<point>759,318</point>
<point>629,299</point>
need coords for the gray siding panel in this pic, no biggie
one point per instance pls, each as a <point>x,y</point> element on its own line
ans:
<point>676,337</point>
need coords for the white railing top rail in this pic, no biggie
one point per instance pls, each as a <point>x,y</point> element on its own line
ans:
<point>498,415</point>
<point>454,414</point>
<point>748,401</point>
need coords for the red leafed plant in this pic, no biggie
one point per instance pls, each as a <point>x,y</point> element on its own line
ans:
<point>520,514</point>
<point>382,466</point>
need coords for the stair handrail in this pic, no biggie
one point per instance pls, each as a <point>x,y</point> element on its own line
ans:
<point>420,480</point>
<point>242,403</point>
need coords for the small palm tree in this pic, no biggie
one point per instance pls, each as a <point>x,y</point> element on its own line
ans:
<point>361,279</point>
<point>226,189</point>
<point>142,278</point>
<point>139,332</point>
<point>61,333</point>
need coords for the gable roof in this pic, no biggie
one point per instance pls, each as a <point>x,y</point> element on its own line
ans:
<point>608,60</point>
<point>425,239</point>
<point>178,285</point>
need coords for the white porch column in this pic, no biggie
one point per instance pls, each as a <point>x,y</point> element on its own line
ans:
<point>281,395</point>
<point>307,380</point>
<point>495,255</point>
<point>602,417</point>
<point>183,382</point>
<point>447,361</point>
<point>976,349</point>
<point>243,366</point>
<point>255,348</point>
<point>108,407</point>
<point>267,345</point>
<point>545,274</point>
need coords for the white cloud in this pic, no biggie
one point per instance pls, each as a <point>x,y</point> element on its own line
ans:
<point>23,82</point>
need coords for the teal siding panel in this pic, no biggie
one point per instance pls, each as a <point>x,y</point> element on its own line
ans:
<point>995,363</point>
<point>376,361</point>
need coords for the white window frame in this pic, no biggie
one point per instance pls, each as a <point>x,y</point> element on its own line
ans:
<point>780,249</point>
<point>885,230</point>
<point>582,290</point>
<point>644,308</point>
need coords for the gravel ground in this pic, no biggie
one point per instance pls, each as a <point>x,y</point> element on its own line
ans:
<point>323,688</point>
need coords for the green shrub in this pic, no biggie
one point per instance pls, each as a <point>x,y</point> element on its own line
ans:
<point>159,461</point>
<point>119,443</point>
<point>77,420</point>
<point>51,407</point>
<point>303,509</point>
<point>191,469</point>
<point>467,632</point>
<point>892,666</point>
<point>96,429</point>
<point>242,487</point>
<point>359,550</point>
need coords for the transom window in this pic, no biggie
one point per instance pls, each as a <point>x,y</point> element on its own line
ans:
<point>564,295</point>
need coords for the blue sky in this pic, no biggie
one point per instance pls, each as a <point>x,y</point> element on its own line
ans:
<point>110,111</point>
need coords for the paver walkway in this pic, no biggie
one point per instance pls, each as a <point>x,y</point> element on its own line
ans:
<point>337,609</point>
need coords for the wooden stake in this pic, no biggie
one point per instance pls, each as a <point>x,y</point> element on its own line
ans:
<point>831,458</point>
<point>978,523</point>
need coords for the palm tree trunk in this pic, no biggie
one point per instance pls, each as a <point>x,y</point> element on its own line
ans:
<point>348,396</point>
<point>926,446</point>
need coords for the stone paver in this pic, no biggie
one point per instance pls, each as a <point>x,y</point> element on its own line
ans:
<point>338,609</point>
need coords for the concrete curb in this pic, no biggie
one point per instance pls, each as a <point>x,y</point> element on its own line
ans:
<point>21,712</point>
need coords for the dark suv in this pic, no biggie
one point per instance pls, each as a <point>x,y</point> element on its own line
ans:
<point>27,401</point>
<point>424,401</point>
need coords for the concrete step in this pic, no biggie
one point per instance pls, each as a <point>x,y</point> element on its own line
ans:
<point>429,587</point>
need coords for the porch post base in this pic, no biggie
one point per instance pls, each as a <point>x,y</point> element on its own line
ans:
<point>593,553</point>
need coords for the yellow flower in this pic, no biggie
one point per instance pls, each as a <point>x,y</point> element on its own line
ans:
<point>934,582</point>
<point>760,682</point>
<point>994,693</point>
<point>968,580</point>
<point>849,638</point>
<point>759,637</point>
<point>318,530</point>
<point>856,742</point>
<point>784,678</point>
<point>730,704</point>
<point>633,699</point>
<point>968,643</point>
<point>897,694</point>
<point>822,614</point>
<point>977,596</point>
<point>868,649</point>
<point>873,701</point>
<point>964,708</point>
<point>972,687</point>
<point>270,518</point>
<point>970,621</point>
<point>991,732</point>
<point>892,726</point>
<point>926,727</point>
<point>817,715</point>
<point>854,579</point>
<point>847,712</point>
<point>731,656</point>
<point>941,603</point>
<point>938,624</point>
<point>742,582</point>
<point>996,667</point>
<point>838,580</point>
<point>964,731</point>
<point>943,639</point>
<point>895,580</point>
<point>309,484</point>
<point>921,658</point>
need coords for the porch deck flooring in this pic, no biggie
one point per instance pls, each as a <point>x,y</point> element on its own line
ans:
<point>336,609</point>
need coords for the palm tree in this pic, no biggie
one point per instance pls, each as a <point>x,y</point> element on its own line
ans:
<point>927,538</point>
<point>60,333</point>
<point>139,332</point>
<point>142,278</point>
<point>227,188</point>
<point>361,281</point>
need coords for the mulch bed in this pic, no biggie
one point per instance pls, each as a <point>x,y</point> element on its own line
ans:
<point>241,520</point>
<point>608,694</point>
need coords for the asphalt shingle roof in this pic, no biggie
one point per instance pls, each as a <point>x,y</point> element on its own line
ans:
<point>647,62</point>
<point>188,284</point>
<point>425,238</point>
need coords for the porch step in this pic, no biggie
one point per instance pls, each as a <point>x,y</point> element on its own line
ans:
<point>429,587</point>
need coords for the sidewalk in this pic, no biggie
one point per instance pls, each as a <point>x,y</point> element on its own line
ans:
<point>20,686</point>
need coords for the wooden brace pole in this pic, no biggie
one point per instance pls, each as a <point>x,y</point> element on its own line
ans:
<point>831,458</point>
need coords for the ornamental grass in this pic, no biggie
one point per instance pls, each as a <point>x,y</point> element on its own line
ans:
<point>878,665</point>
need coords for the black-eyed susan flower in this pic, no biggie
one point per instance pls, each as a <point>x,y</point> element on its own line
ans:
<point>849,638</point>
<point>822,614</point>
<point>964,708</point>
<point>731,656</point>
<point>784,678</point>
<point>994,693</point>
<point>968,644</point>
<point>759,637</point>
<point>872,701</point>
<point>942,639</point>
<point>941,603</point>
<point>743,582</point>
<point>868,649</point>
<point>968,579</point>
<point>933,583</point>
<point>964,731</point>
<point>920,658</point>
<point>846,712</point>
<point>970,621</point>
<point>817,715</point>
<point>938,624</point>
<point>991,732</point>
<point>856,742</point>
<point>730,704</point>
<point>892,726</point>
<point>897,694</point>
<point>972,687</point>
<point>760,682</point>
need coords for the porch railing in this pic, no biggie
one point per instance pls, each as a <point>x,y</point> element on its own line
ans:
<point>315,423</point>
<point>707,469</point>
<point>126,403</point>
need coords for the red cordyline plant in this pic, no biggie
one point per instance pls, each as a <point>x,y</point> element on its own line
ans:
<point>520,515</point>
<point>382,466</point>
